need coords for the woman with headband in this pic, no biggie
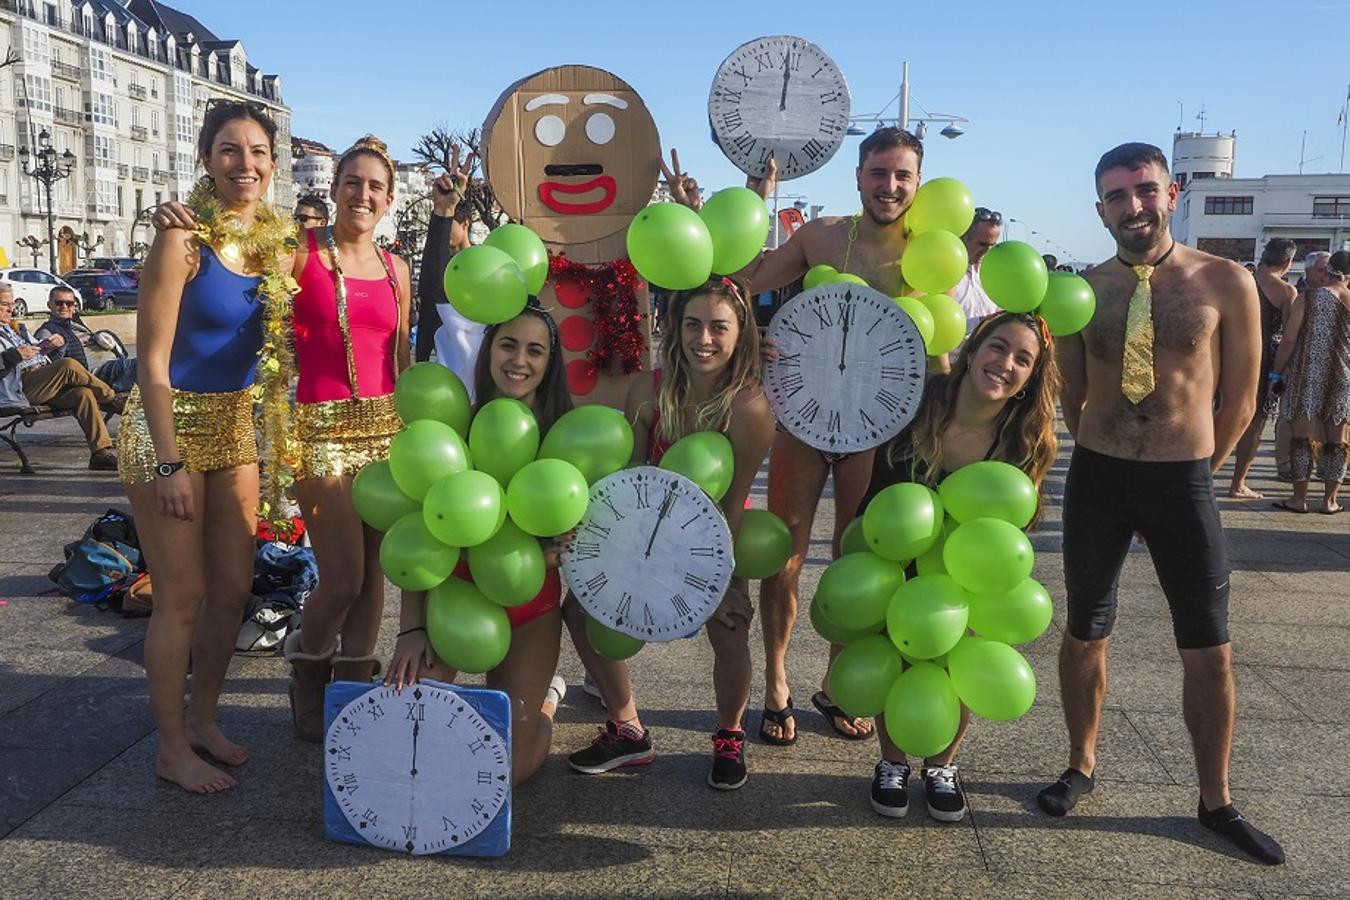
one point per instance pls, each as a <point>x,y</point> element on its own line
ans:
<point>521,359</point>
<point>710,362</point>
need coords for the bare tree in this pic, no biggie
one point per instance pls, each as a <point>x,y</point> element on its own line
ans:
<point>435,148</point>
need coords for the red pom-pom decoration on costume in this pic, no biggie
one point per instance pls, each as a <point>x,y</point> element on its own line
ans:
<point>577,333</point>
<point>581,377</point>
<point>612,289</point>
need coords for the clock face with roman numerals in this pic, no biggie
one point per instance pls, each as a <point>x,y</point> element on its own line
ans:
<point>850,368</point>
<point>418,771</point>
<point>779,97</point>
<point>653,556</point>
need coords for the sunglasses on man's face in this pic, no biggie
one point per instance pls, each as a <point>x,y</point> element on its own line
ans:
<point>63,303</point>
<point>305,220</point>
<point>983,214</point>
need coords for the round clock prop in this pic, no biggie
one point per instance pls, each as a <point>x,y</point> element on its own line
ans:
<point>653,555</point>
<point>850,369</point>
<point>423,771</point>
<point>779,97</point>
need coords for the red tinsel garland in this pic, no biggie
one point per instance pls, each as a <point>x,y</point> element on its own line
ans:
<point>613,292</point>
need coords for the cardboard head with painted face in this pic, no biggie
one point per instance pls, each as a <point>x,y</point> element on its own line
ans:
<point>572,153</point>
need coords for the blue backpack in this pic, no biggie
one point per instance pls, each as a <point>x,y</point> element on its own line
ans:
<point>108,555</point>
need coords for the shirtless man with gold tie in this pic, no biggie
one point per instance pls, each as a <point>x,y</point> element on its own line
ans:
<point>1174,328</point>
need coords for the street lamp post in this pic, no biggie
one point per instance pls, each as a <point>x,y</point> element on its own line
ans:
<point>48,169</point>
<point>951,131</point>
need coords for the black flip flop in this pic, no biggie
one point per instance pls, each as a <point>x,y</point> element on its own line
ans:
<point>821,701</point>
<point>1284,505</point>
<point>777,717</point>
<point>1332,512</point>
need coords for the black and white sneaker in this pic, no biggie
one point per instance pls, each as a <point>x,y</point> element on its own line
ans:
<point>942,790</point>
<point>890,789</point>
<point>728,768</point>
<point>616,745</point>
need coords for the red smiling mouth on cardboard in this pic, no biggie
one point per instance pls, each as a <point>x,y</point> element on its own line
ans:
<point>549,192</point>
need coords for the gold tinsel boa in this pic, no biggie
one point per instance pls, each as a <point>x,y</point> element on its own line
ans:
<point>268,242</point>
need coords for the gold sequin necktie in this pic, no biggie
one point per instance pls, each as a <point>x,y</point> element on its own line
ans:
<point>1136,371</point>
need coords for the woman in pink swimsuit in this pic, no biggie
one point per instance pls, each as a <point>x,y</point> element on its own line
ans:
<point>350,325</point>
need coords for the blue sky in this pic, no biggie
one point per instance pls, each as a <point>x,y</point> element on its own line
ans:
<point>1047,86</point>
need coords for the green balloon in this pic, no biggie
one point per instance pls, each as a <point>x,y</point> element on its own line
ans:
<point>988,556</point>
<point>609,643</point>
<point>464,509</point>
<point>929,562</point>
<point>927,616</point>
<point>596,439</point>
<point>943,204</point>
<point>934,261</point>
<point>991,678</point>
<point>525,247</point>
<point>547,497</point>
<point>939,661</point>
<point>818,275</point>
<point>902,521</point>
<point>705,458</point>
<point>738,223</point>
<point>423,453</point>
<point>919,314</point>
<point>468,631</point>
<point>1016,617</point>
<point>837,634</point>
<point>855,590</point>
<point>923,712</point>
<point>670,246</point>
<point>411,556</point>
<point>508,567</point>
<point>763,545</point>
<point>1013,275</point>
<point>429,390</point>
<point>1069,304</point>
<point>949,323</point>
<point>853,540</point>
<point>862,674</point>
<point>485,284</point>
<point>846,278</point>
<point>990,488</point>
<point>377,499</point>
<point>503,437</point>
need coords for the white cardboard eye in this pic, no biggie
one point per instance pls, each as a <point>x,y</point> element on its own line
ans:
<point>600,128</point>
<point>550,130</point>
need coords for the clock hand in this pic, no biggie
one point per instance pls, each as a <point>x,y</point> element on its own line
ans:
<point>843,351</point>
<point>417,727</point>
<point>787,73</point>
<point>661,514</point>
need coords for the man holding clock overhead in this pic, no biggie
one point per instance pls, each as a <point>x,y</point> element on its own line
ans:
<point>868,244</point>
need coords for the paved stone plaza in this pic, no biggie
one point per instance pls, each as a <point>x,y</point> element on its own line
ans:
<point>82,814</point>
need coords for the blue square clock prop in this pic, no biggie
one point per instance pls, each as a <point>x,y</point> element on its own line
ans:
<point>423,771</point>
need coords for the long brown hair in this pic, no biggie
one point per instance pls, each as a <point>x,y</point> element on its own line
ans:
<point>743,370</point>
<point>1024,431</point>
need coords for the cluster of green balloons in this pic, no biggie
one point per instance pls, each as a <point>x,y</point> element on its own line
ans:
<point>486,491</point>
<point>1014,276</point>
<point>676,248</point>
<point>490,282</point>
<point>948,629</point>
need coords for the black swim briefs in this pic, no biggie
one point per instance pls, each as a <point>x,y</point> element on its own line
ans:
<point>1106,500</point>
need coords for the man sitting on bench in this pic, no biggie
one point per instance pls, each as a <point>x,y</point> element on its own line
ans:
<point>29,377</point>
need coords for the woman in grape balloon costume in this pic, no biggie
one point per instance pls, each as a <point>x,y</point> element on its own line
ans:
<point>708,381</point>
<point>998,403</point>
<point>211,299</point>
<point>519,359</point>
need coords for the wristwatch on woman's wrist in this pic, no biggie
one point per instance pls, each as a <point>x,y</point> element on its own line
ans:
<point>165,469</point>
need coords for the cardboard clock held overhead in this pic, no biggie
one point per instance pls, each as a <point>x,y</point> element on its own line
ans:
<point>572,153</point>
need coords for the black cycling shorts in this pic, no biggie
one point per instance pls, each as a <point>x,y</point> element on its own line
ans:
<point>1106,500</point>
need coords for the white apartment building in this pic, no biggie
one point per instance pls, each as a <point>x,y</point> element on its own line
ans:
<point>122,84</point>
<point>1235,217</point>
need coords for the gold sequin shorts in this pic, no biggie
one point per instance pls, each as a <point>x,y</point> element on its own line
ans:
<point>340,437</point>
<point>214,431</point>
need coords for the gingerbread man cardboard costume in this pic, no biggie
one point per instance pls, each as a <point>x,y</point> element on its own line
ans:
<point>573,154</point>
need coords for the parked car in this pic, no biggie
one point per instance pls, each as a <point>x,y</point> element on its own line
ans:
<point>104,290</point>
<point>127,265</point>
<point>31,287</point>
